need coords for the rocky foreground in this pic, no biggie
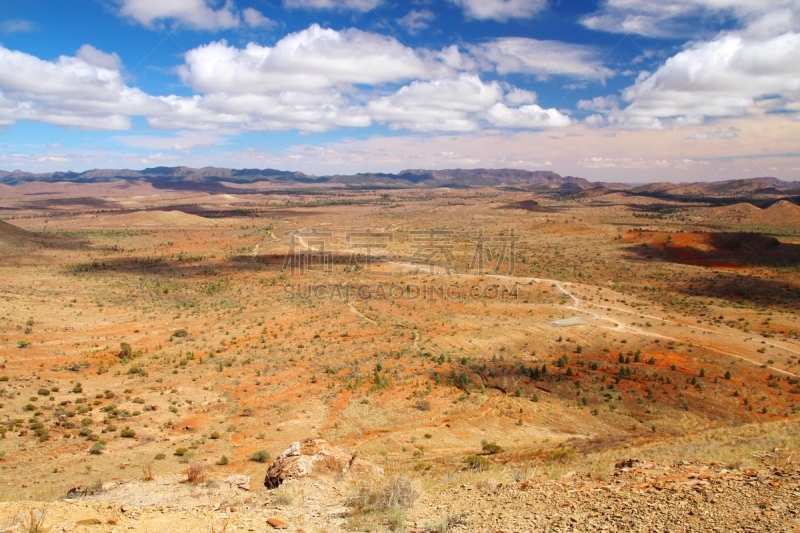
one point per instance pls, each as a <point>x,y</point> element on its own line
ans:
<point>637,496</point>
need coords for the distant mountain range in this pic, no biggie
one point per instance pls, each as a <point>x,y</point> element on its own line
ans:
<point>213,178</point>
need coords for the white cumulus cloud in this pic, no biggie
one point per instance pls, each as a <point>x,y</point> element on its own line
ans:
<point>310,60</point>
<point>439,105</point>
<point>311,81</point>
<point>500,10</point>
<point>541,58</point>
<point>416,21</point>
<point>737,73</point>
<point>353,5</point>
<point>68,92</point>
<point>254,19</point>
<point>16,26</point>
<point>98,58</point>
<point>527,116</point>
<point>723,77</point>
<point>657,18</point>
<point>193,14</point>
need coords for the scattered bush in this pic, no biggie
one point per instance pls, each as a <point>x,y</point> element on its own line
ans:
<point>196,473</point>
<point>180,452</point>
<point>399,492</point>
<point>490,447</point>
<point>261,456</point>
<point>97,448</point>
<point>127,433</point>
<point>125,350</point>
<point>476,462</point>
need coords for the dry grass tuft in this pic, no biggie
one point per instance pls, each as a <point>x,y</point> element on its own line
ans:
<point>387,501</point>
<point>196,473</point>
<point>289,494</point>
<point>396,492</point>
<point>33,521</point>
<point>446,524</point>
<point>147,469</point>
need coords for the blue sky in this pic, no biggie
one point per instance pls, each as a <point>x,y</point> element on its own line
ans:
<point>614,90</point>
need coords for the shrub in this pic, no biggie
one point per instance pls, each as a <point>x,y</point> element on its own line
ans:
<point>97,448</point>
<point>180,452</point>
<point>399,492</point>
<point>476,462</point>
<point>562,455</point>
<point>261,456</point>
<point>491,447</point>
<point>728,374</point>
<point>214,435</point>
<point>125,350</point>
<point>223,460</point>
<point>160,456</point>
<point>43,392</point>
<point>127,433</point>
<point>196,473</point>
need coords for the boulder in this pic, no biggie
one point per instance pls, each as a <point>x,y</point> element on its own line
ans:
<point>319,459</point>
<point>239,481</point>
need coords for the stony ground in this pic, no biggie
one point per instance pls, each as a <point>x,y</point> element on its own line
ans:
<point>637,496</point>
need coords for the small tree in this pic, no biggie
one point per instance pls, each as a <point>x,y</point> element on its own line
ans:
<point>728,374</point>
<point>125,350</point>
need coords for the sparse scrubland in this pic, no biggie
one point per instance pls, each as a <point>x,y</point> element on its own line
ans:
<point>148,354</point>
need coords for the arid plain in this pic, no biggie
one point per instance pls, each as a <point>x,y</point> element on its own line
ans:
<point>144,332</point>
